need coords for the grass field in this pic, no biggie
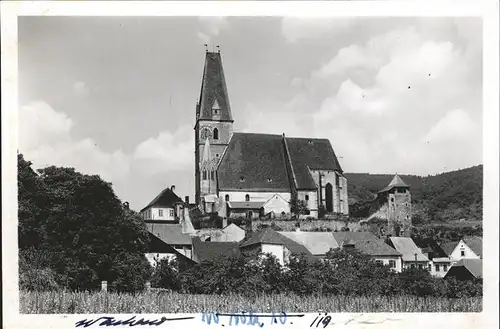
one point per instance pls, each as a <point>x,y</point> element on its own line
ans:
<point>152,302</point>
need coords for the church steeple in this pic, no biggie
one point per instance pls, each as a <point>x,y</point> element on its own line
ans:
<point>214,100</point>
<point>214,126</point>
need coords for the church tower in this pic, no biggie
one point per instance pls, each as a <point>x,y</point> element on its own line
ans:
<point>213,128</point>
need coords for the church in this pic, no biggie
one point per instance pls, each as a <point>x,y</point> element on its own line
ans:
<point>253,175</point>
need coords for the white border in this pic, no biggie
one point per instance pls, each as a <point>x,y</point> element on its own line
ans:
<point>489,10</point>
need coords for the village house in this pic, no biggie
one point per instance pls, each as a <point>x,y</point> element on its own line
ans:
<point>269,241</point>
<point>411,255</point>
<point>369,244</point>
<point>247,174</point>
<point>466,269</point>
<point>468,247</point>
<point>165,207</point>
<point>317,243</point>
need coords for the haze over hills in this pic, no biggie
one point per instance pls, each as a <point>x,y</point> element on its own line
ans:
<point>448,196</point>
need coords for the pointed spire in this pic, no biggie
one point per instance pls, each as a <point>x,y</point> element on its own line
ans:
<point>186,224</point>
<point>213,90</point>
<point>395,182</point>
<point>207,154</point>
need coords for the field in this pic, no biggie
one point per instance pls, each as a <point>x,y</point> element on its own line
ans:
<point>167,302</point>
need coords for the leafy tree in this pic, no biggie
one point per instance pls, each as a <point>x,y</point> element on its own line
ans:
<point>166,275</point>
<point>83,228</point>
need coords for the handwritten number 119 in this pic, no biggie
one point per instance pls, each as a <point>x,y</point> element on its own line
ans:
<point>324,320</point>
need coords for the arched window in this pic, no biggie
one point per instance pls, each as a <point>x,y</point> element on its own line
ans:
<point>212,175</point>
<point>216,133</point>
<point>227,197</point>
<point>204,174</point>
<point>329,197</point>
<point>247,197</point>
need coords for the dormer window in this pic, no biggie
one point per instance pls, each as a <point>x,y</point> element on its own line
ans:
<point>269,180</point>
<point>215,112</point>
<point>310,142</point>
<point>242,179</point>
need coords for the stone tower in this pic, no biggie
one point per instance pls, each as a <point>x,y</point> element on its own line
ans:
<point>397,198</point>
<point>213,128</point>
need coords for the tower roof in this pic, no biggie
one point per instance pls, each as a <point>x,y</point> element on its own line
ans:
<point>213,94</point>
<point>395,182</point>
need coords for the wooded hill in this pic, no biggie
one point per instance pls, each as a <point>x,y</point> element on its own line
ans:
<point>448,196</point>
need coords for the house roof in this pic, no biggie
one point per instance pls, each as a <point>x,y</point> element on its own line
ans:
<point>245,204</point>
<point>395,182</point>
<point>448,247</point>
<point>169,233</point>
<point>310,153</point>
<point>213,89</point>
<point>318,243</point>
<point>167,198</point>
<point>475,243</point>
<point>270,236</point>
<point>254,162</point>
<point>474,266</point>
<point>366,243</point>
<point>209,251</point>
<point>408,249</point>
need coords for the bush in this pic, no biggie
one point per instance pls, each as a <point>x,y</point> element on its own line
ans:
<point>166,275</point>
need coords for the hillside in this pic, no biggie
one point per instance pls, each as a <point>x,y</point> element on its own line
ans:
<point>448,196</point>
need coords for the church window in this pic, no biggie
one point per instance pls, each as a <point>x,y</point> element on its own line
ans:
<point>212,175</point>
<point>216,133</point>
<point>204,174</point>
<point>247,197</point>
<point>307,197</point>
<point>227,197</point>
<point>215,111</point>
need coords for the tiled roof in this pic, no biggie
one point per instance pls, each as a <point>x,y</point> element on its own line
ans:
<point>366,243</point>
<point>408,249</point>
<point>213,89</point>
<point>474,266</point>
<point>270,236</point>
<point>396,182</point>
<point>245,205</point>
<point>169,233</point>
<point>166,198</point>
<point>448,247</point>
<point>209,251</point>
<point>253,162</point>
<point>310,153</point>
<point>475,243</point>
<point>318,243</point>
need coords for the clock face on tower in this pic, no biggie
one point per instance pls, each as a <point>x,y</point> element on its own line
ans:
<point>205,133</point>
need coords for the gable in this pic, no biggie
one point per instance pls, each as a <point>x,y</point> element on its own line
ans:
<point>462,246</point>
<point>166,199</point>
<point>253,162</point>
<point>310,153</point>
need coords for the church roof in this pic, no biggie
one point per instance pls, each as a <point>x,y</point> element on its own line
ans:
<point>396,182</point>
<point>310,153</point>
<point>213,92</point>
<point>254,162</point>
<point>167,199</point>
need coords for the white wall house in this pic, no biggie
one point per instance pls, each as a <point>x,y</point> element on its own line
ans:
<point>166,206</point>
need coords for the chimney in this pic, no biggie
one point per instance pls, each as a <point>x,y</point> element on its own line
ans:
<point>186,199</point>
<point>172,188</point>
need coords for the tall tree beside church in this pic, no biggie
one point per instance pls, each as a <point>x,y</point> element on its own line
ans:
<point>85,230</point>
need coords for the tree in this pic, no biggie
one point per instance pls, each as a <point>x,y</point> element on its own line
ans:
<point>83,227</point>
<point>299,207</point>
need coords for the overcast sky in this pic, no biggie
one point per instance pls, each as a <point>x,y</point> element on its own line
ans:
<point>116,96</point>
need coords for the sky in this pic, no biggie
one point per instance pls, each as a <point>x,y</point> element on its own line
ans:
<point>116,96</point>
